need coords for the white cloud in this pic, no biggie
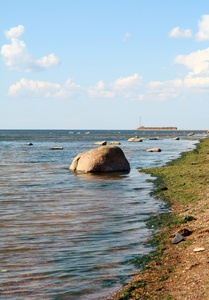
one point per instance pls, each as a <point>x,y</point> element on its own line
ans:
<point>197,61</point>
<point>180,33</point>
<point>203,33</point>
<point>100,90</point>
<point>47,61</point>
<point>42,89</point>
<point>126,36</point>
<point>68,90</point>
<point>128,87</point>
<point>131,82</point>
<point>192,81</point>
<point>14,32</point>
<point>171,89</point>
<point>200,36</point>
<point>164,90</point>
<point>123,87</point>
<point>17,57</point>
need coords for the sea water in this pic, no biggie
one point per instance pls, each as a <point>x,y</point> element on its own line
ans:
<point>73,236</point>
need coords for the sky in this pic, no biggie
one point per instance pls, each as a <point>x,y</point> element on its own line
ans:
<point>104,64</point>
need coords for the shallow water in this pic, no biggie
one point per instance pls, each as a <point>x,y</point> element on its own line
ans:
<point>72,236</point>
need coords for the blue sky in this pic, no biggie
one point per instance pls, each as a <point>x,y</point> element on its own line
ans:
<point>87,64</point>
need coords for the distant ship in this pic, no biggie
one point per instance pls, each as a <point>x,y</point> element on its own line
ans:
<point>156,128</point>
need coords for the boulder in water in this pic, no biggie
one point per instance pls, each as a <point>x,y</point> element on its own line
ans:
<point>101,160</point>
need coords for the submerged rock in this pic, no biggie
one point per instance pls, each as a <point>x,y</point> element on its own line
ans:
<point>55,148</point>
<point>29,144</point>
<point>153,138</point>
<point>101,160</point>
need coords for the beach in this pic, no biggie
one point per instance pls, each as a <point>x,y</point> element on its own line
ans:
<point>178,271</point>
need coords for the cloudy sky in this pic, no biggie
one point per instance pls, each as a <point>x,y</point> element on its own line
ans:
<point>104,64</point>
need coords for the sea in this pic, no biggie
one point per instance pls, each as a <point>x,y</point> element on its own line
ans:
<point>68,235</point>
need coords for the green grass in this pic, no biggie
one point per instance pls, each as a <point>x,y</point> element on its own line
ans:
<point>183,179</point>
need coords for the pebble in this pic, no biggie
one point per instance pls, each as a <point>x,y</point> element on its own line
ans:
<point>199,249</point>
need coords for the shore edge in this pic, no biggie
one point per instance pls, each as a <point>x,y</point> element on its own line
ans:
<point>174,271</point>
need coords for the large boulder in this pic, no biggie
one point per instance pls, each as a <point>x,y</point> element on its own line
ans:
<point>101,160</point>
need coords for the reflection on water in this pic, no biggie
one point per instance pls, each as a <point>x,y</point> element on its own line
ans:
<point>66,235</point>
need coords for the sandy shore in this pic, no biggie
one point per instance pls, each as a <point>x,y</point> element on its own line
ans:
<point>178,271</point>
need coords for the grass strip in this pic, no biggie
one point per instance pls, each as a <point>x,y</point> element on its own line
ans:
<point>180,184</point>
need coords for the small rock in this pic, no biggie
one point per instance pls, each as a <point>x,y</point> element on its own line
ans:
<point>178,238</point>
<point>56,148</point>
<point>114,143</point>
<point>199,249</point>
<point>29,144</point>
<point>176,138</point>
<point>103,143</point>
<point>135,139</point>
<point>154,150</point>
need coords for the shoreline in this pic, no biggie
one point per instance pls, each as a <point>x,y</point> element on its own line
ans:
<point>177,271</point>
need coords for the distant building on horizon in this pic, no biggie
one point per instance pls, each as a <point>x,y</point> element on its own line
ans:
<point>156,128</point>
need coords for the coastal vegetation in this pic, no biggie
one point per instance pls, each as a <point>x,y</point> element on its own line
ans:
<point>173,271</point>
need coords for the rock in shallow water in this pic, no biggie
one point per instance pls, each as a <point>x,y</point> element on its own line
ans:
<point>56,148</point>
<point>101,160</point>
<point>154,150</point>
<point>100,143</point>
<point>135,139</point>
<point>114,143</point>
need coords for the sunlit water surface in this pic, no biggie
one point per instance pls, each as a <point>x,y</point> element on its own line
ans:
<point>72,236</point>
